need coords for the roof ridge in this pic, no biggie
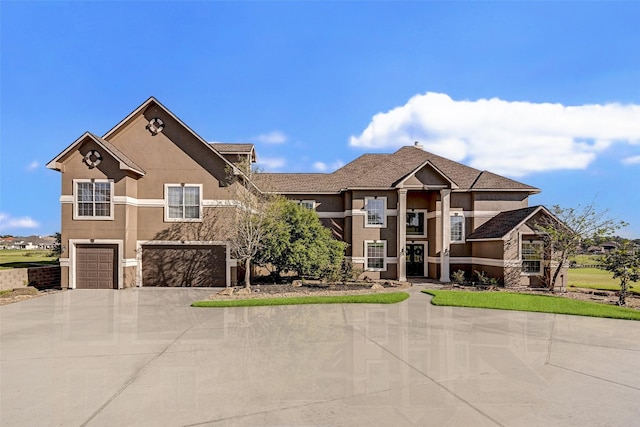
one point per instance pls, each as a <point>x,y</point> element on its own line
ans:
<point>476,180</point>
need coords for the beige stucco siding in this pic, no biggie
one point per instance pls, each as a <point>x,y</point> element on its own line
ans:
<point>429,176</point>
<point>461,201</point>
<point>358,198</point>
<point>420,200</point>
<point>172,156</point>
<point>499,201</point>
<point>213,226</point>
<point>492,249</point>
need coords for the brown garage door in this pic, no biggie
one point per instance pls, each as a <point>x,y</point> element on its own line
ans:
<point>177,265</point>
<point>96,267</point>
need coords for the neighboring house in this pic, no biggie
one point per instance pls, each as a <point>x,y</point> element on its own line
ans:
<point>28,243</point>
<point>146,205</point>
<point>7,242</point>
<point>596,250</point>
<point>609,246</point>
<point>38,242</point>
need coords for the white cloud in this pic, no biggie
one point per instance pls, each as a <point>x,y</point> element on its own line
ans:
<point>271,163</point>
<point>512,138</point>
<point>323,167</point>
<point>635,160</point>
<point>7,222</point>
<point>32,166</point>
<point>320,166</point>
<point>273,137</point>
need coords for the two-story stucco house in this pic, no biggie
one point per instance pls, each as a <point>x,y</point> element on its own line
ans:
<point>137,204</point>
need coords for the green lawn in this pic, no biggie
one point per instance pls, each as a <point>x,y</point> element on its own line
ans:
<point>17,258</point>
<point>382,298</point>
<point>586,259</point>
<point>526,302</point>
<point>594,278</point>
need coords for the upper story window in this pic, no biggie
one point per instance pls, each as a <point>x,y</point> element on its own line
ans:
<point>375,255</point>
<point>532,257</point>
<point>375,208</point>
<point>457,228</point>
<point>93,199</point>
<point>309,204</point>
<point>416,224</point>
<point>183,202</point>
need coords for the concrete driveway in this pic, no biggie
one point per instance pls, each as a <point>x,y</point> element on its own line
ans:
<point>144,357</point>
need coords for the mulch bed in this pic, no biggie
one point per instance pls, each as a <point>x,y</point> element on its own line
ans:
<point>309,288</point>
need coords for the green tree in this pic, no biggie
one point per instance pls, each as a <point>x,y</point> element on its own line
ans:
<point>564,233</point>
<point>250,216</point>
<point>297,241</point>
<point>624,263</point>
<point>57,246</point>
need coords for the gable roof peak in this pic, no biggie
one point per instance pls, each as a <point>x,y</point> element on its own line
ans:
<point>501,225</point>
<point>125,162</point>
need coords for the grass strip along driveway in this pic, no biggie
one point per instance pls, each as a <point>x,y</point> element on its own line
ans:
<point>383,298</point>
<point>527,302</point>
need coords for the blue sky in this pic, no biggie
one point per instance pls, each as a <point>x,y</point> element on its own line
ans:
<point>546,92</point>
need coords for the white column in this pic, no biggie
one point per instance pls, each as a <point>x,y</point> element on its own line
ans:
<point>402,234</point>
<point>445,229</point>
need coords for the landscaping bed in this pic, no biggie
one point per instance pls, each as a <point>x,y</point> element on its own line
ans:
<point>604,297</point>
<point>299,288</point>
<point>21,294</point>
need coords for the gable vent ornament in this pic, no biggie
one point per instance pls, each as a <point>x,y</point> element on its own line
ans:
<point>92,159</point>
<point>155,126</point>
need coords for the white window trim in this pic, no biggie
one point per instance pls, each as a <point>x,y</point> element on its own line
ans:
<point>425,212</point>
<point>531,273</point>
<point>461,215</point>
<point>76,204</point>
<point>384,255</point>
<point>384,212</point>
<point>166,202</point>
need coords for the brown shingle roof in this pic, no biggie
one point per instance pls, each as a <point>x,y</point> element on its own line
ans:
<point>296,182</point>
<point>385,171</point>
<point>501,224</point>
<point>490,181</point>
<point>229,148</point>
<point>118,154</point>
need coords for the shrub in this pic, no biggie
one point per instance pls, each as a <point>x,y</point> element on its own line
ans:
<point>481,278</point>
<point>458,277</point>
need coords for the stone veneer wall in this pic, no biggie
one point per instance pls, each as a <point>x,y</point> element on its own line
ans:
<point>39,277</point>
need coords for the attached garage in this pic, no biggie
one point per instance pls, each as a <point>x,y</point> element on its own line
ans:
<point>96,267</point>
<point>184,265</point>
